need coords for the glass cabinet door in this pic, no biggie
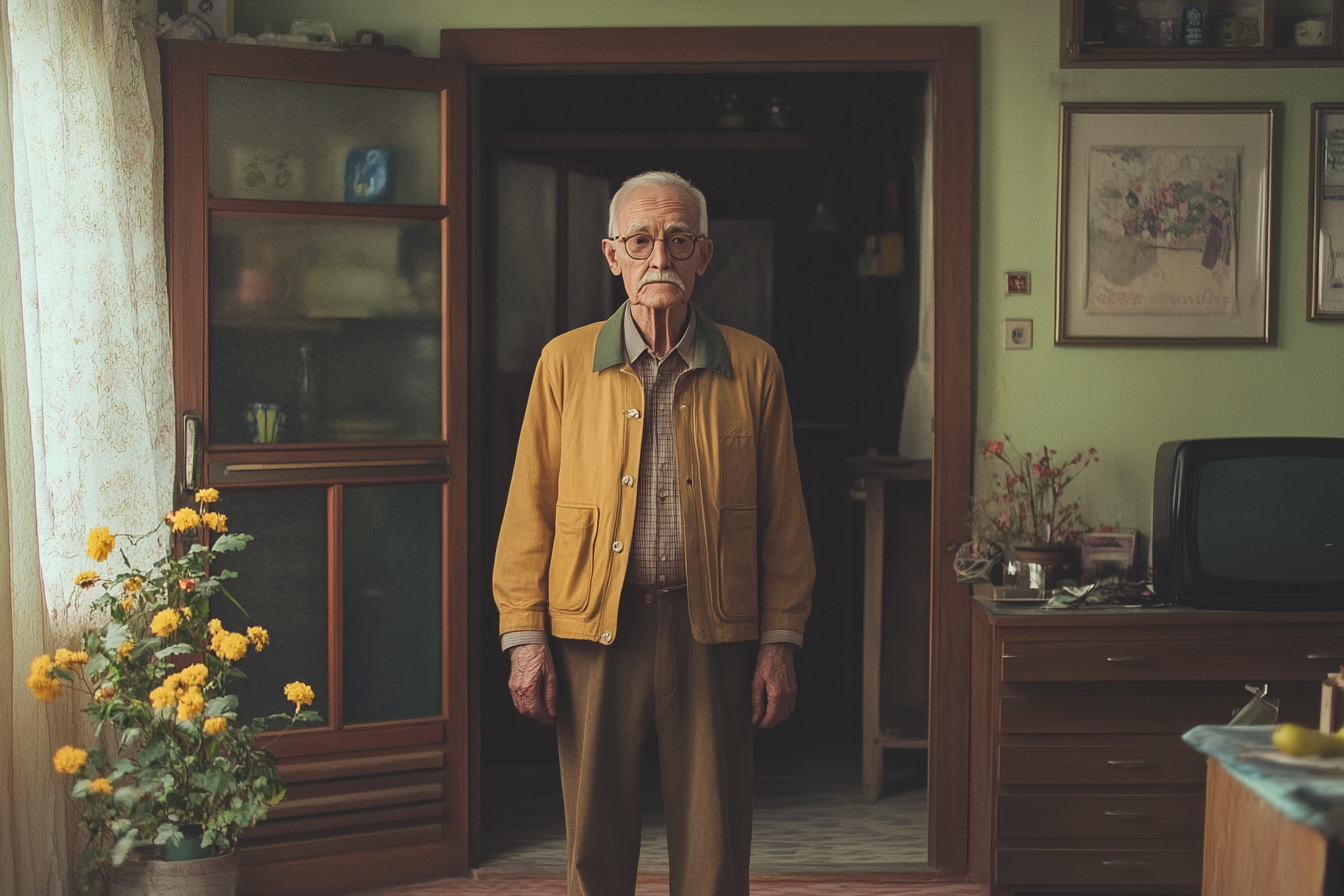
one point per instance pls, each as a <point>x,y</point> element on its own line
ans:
<point>324,329</point>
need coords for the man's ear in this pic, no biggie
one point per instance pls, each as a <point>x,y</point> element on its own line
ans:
<point>609,250</point>
<point>706,252</point>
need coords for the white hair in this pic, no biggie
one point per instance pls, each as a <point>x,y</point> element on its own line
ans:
<point>658,179</point>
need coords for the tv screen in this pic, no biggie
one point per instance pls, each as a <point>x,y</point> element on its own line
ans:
<point>1271,518</point>
<point>1255,523</point>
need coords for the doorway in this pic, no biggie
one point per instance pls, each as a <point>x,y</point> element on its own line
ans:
<point>840,165</point>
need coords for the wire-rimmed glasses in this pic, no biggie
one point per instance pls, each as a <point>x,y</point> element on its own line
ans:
<point>639,246</point>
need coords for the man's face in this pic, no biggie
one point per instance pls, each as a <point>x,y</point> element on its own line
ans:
<point>659,281</point>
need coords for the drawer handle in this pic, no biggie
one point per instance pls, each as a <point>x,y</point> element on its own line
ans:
<point>1124,863</point>
<point>1125,813</point>
<point>1125,658</point>
<point>1325,656</point>
<point>1130,763</point>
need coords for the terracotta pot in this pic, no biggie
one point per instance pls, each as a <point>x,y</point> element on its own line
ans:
<point>1042,563</point>
<point>215,876</point>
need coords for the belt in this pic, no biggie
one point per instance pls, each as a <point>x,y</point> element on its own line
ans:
<point>646,589</point>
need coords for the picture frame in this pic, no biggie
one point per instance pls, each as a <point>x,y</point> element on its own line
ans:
<point>1164,224</point>
<point>1325,242</point>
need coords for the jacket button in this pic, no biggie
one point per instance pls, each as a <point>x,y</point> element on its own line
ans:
<point>606,637</point>
<point>627,480</point>
<point>617,546</point>
<point>632,412</point>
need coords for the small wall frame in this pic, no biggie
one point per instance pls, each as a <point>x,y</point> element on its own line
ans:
<point>1325,250</point>
<point>1163,229</point>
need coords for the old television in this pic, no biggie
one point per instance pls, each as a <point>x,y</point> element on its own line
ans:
<point>1250,523</point>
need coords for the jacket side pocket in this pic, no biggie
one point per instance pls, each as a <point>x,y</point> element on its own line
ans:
<point>737,599</point>
<point>571,575</point>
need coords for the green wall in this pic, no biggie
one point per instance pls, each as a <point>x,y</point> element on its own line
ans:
<point>1122,401</point>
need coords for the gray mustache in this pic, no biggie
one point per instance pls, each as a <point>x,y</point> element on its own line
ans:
<point>662,277</point>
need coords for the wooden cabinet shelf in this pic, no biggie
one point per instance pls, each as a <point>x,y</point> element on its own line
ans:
<point>1267,37</point>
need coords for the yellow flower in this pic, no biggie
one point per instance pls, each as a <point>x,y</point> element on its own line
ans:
<point>215,626</point>
<point>69,760</point>
<point>191,704</point>
<point>259,637</point>
<point>86,579</point>
<point>207,496</point>
<point>125,649</point>
<point>194,676</point>
<point>101,785</point>
<point>186,611</point>
<point>299,694</point>
<point>133,584</point>
<point>101,542</point>
<point>215,521</point>
<point>185,519</point>
<point>163,696</point>
<point>215,725</point>
<point>40,682</point>
<point>165,622</point>
<point>127,603</point>
<point>67,658</point>
<point>229,645</point>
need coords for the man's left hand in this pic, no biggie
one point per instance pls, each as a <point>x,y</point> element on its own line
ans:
<point>774,689</point>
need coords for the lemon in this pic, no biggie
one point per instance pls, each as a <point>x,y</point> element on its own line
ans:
<point>1298,741</point>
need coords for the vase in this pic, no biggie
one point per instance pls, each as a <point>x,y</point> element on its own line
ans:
<point>1040,564</point>
<point>213,876</point>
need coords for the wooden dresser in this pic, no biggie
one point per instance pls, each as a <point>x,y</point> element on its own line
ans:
<point>1079,779</point>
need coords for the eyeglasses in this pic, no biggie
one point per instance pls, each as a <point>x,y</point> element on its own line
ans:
<point>639,246</point>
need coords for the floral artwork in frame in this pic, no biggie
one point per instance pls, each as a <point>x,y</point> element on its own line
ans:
<point>1163,224</point>
<point>1325,297</point>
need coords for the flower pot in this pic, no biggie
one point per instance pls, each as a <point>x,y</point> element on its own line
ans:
<point>1039,564</point>
<point>215,876</point>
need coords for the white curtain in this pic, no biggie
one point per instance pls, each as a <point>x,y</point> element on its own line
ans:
<point>85,366</point>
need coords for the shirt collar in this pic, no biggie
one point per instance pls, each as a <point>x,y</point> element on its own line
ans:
<point>635,345</point>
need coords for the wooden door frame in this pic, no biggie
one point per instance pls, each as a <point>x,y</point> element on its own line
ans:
<point>948,56</point>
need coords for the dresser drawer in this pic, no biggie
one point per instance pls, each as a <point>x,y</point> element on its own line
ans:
<point>1164,712</point>
<point>1088,868</point>
<point>1251,659</point>
<point>1116,816</point>
<point>1173,763</point>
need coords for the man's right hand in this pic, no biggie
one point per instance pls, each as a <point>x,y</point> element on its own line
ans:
<point>532,682</point>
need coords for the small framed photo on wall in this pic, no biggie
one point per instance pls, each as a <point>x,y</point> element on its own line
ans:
<point>1325,251</point>
<point>1164,230</point>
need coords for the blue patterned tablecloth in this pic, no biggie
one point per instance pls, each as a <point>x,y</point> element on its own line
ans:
<point>1309,790</point>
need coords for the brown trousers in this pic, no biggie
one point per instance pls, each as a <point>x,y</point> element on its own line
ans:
<point>655,678</point>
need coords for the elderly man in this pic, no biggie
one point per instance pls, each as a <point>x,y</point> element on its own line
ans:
<point>654,569</point>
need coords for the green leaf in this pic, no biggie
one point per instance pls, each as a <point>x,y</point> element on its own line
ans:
<point>117,634</point>
<point>129,735</point>
<point>124,798</point>
<point>167,831</point>
<point>217,706</point>
<point>97,664</point>
<point>232,541</point>
<point>173,649</point>
<point>233,601</point>
<point>122,848</point>
<point>153,752</point>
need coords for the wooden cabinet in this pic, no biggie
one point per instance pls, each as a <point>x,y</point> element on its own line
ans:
<point>316,277</point>
<point>1079,777</point>
<point>1235,33</point>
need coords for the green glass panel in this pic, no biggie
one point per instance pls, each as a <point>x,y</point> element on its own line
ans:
<point>393,602</point>
<point>282,586</point>
<point>525,263</point>
<point>590,280</point>
<point>273,139</point>
<point>331,329</point>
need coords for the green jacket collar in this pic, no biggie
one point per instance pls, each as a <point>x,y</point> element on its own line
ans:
<point>711,350</point>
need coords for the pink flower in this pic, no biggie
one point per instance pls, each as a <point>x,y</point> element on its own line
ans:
<point>1004,521</point>
<point>993,449</point>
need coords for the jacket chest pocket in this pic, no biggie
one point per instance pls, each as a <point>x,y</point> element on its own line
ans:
<point>572,557</point>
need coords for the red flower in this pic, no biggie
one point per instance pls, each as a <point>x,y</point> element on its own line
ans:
<point>993,449</point>
<point>187,584</point>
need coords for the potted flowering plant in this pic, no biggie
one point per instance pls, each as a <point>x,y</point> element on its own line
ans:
<point>169,759</point>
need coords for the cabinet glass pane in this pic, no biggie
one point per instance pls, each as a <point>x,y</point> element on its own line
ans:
<point>328,329</point>
<point>524,264</point>
<point>291,140</point>
<point>282,584</point>
<point>590,280</point>
<point>393,602</point>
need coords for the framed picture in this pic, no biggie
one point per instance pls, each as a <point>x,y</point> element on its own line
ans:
<point>1325,253</point>
<point>1163,226</point>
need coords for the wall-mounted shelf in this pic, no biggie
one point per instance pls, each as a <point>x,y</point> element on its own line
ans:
<point>1236,34</point>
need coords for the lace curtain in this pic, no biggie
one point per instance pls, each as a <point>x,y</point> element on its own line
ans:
<point>85,367</point>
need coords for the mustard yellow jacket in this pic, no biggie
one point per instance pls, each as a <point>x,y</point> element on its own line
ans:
<point>567,528</point>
